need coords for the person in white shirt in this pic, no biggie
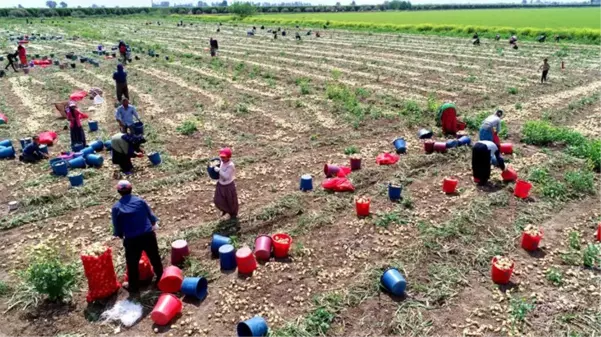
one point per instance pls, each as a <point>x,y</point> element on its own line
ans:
<point>226,196</point>
<point>485,153</point>
<point>491,126</point>
<point>125,115</point>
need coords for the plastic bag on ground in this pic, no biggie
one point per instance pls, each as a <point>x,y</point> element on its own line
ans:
<point>47,137</point>
<point>338,185</point>
<point>78,95</point>
<point>344,171</point>
<point>387,158</point>
<point>145,269</point>
<point>124,311</point>
<point>3,119</point>
<point>100,272</point>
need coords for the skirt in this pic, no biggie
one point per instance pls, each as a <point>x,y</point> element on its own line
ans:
<point>124,162</point>
<point>481,163</point>
<point>78,136</point>
<point>226,199</point>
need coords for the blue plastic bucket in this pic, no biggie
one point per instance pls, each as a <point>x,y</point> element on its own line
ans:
<point>452,143</point>
<point>107,145</point>
<point>227,257</point>
<point>77,155</point>
<point>54,160</point>
<point>400,145</point>
<point>6,143</point>
<point>77,163</point>
<point>87,151</point>
<point>155,158</point>
<point>464,140</point>
<point>195,287</point>
<point>94,160</point>
<point>76,147</point>
<point>138,128</point>
<point>25,141</point>
<point>394,193</point>
<point>44,148</point>
<point>76,179</point>
<point>59,167</point>
<point>97,145</point>
<point>7,152</point>
<point>93,125</point>
<point>255,326</point>
<point>393,281</point>
<point>306,182</point>
<point>211,171</point>
<point>217,242</point>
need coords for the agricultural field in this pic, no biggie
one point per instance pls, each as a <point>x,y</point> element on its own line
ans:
<point>287,108</point>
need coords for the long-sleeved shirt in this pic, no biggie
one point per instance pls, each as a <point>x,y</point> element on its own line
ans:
<point>126,115</point>
<point>74,116</point>
<point>214,44</point>
<point>120,76</point>
<point>31,149</point>
<point>227,173</point>
<point>546,66</point>
<point>120,144</point>
<point>490,122</point>
<point>495,155</point>
<point>132,217</point>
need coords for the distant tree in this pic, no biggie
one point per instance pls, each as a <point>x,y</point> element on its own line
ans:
<point>63,4</point>
<point>18,13</point>
<point>94,6</point>
<point>243,10</point>
<point>78,14</point>
<point>524,2</point>
<point>353,3</point>
<point>51,4</point>
<point>224,3</point>
<point>338,4</point>
<point>20,6</point>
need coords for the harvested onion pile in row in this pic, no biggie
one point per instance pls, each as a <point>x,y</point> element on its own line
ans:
<point>362,200</point>
<point>532,230</point>
<point>503,263</point>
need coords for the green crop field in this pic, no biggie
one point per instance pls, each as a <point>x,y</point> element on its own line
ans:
<point>517,18</point>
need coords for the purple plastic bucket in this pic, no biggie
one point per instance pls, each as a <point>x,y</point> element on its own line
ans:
<point>263,247</point>
<point>331,170</point>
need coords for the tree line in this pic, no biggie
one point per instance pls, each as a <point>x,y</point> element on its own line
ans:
<point>388,5</point>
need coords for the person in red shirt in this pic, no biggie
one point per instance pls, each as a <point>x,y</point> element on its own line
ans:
<point>74,116</point>
<point>123,51</point>
<point>22,55</point>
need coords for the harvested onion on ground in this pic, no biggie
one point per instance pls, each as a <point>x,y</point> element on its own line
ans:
<point>532,230</point>
<point>362,200</point>
<point>395,185</point>
<point>503,263</point>
<point>282,240</point>
<point>95,249</point>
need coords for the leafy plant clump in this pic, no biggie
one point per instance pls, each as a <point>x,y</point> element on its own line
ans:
<point>49,275</point>
<point>554,276</point>
<point>351,150</point>
<point>187,128</point>
<point>591,256</point>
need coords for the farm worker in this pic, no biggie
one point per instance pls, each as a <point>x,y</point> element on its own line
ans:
<point>275,35</point>
<point>226,197</point>
<point>475,36</point>
<point>125,147</point>
<point>32,153</point>
<point>123,51</point>
<point>485,153</point>
<point>491,126</point>
<point>12,58</point>
<point>513,39</point>
<point>497,37</point>
<point>134,222</point>
<point>447,119</point>
<point>283,33</point>
<point>22,55</point>
<point>74,116</point>
<point>125,115</point>
<point>317,34</point>
<point>120,77</point>
<point>545,68</point>
<point>214,47</point>
<point>262,27</point>
<point>541,38</point>
<point>298,37</point>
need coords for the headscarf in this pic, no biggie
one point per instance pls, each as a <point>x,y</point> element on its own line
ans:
<point>124,185</point>
<point>225,153</point>
<point>119,68</point>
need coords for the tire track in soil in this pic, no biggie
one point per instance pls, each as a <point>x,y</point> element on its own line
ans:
<point>34,105</point>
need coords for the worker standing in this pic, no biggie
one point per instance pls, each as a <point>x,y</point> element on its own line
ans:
<point>22,55</point>
<point>214,45</point>
<point>120,77</point>
<point>545,68</point>
<point>226,196</point>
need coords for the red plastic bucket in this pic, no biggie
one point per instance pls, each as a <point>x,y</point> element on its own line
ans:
<point>281,244</point>
<point>506,148</point>
<point>355,164</point>
<point>440,147</point>
<point>522,189</point>
<point>530,242</point>
<point>500,276</point>
<point>245,260</point>
<point>362,207</point>
<point>509,174</point>
<point>263,247</point>
<point>429,146</point>
<point>449,185</point>
<point>179,251</point>
<point>167,307</point>
<point>330,170</point>
<point>172,279</point>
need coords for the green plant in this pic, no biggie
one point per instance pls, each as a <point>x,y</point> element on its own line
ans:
<point>580,181</point>
<point>512,90</point>
<point>4,288</point>
<point>386,219</point>
<point>518,106</point>
<point>554,189</point>
<point>433,102</point>
<point>518,310</point>
<point>194,268</point>
<point>554,276</point>
<point>574,240</point>
<point>591,257</point>
<point>538,175</point>
<point>351,150</point>
<point>49,275</point>
<point>305,89</point>
<point>241,109</point>
<point>187,128</point>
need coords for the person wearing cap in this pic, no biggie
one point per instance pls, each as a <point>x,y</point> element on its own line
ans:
<point>491,126</point>
<point>126,146</point>
<point>78,136</point>
<point>485,153</point>
<point>134,222</point>
<point>125,115</point>
<point>226,197</point>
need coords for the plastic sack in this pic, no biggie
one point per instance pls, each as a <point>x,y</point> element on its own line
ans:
<point>338,185</point>
<point>124,311</point>
<point>344,171</point>
<point>47,137</point>
<point>78,95</point>
<point>99,270</point>
<point>3,119</point>
<point>387,158</point>
<point>144,269</point>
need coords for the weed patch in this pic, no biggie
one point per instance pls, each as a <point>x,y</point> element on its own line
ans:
<point>187,128</point>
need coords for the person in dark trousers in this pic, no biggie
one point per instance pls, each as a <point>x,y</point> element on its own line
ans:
<point>298,37</point>
<point>545,68</point>
<point>123,51</point>
<point>226,196</point>
<point>125,114</point>
<point>32,153</point>
<point>214,47</point>
<point>126,146</point>
<point>12,58</point>
<point>120,77</point>
<point>134,222</point>
<point>74,116</point>
<point>485,153</point>
<point>275,35</point>
<point>497,37</point>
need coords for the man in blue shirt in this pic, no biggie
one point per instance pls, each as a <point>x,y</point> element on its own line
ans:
<point>125,115</point>
<point>32,152</point>
<point>134,222</point>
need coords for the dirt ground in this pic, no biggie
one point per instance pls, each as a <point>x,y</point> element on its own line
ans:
<point>286,108</point>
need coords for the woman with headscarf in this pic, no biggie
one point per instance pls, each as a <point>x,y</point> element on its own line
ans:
<point>22,55</point>
<point>226,196</point>
<point>74,116</point>
<point>120,77</point>
<point>485,153</point>
<point>126,146</point>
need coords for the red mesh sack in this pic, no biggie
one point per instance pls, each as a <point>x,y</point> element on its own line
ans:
<point>145,269</point>
<point>343,171</point>
<point>47,137</point>
<point>338,185</point>
<point>78,95</point>
<point>387,158</point>
<point>99,270</point>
